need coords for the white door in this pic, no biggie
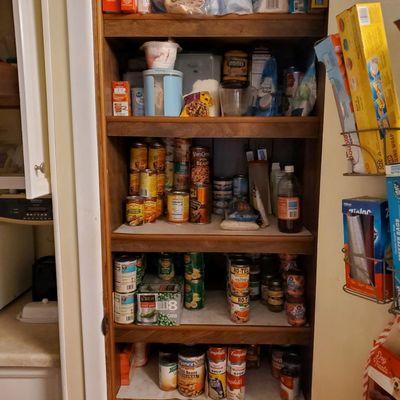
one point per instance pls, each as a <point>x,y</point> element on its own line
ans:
<point>32,90</point>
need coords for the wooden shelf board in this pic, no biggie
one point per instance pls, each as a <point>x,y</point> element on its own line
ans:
<point>252,26</point>
<point>165,236</point>
<point>216,127</point>
<point>144,385</point>
<point>9,101</point>
<point>213,325</point>
<point>12,182</point>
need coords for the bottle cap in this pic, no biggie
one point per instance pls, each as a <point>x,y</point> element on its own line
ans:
<point>289,169</point>
<point>276,166</point>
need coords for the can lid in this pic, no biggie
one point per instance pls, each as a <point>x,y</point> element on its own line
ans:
<point>289,169</point>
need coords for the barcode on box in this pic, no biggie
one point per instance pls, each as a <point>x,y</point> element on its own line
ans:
<point>363,16</point>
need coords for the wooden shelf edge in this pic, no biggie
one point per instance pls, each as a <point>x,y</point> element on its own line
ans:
<point>9,101</point>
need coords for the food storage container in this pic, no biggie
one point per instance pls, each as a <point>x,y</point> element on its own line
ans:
<point>160,54</point>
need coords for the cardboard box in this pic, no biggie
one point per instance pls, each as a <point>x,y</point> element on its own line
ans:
<point>369,71</point>
<point>367,246</point>
<point>129,6</point>
<point>121,98</point>
<point>125,359</point>
<point>329,52</point>
<point>319,4</point>
<point>111,6</point>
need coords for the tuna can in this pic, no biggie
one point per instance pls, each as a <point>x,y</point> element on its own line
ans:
<point>217,372</point>
<point>160,206</point>
<point>182,150</point>
<point>167,372</point>
<point>296,311</point>
<point>169,175</point>
<point>178,207</point>
<point>220,204</point>
<point>194,294</point>
<point>221,195</point>
<point>150,209</point>
<point>134,183</point>
<point>253,359</point>
<point>157,155</point>
<point>181,176</point>
<point>124,308</point>
<point>134,210</point>
<point>166,268</point>
<point>169,144</point>
<point>148,183</point>
<point>125,273</point>
<point>240,186</point>
<point>194,266</point>
<point>236,370</point>
<point>200,165</point>
<point>240,308</point>
<point>191,372</point>
<point>223,184</point>
<point>137,101</point>
<point>219,211</point>
<point>138,157</point>
<point>161,178</point>
<point>239,276</point>
<point>199,204</point>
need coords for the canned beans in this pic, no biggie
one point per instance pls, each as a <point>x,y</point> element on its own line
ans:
<point>200,164</point>
<point>199,204</point>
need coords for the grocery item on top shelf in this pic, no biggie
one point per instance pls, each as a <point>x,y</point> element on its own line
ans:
<point>267,6</point>
<point>197,104</point>
<point>237,101</point>
<point>298,6</point>
<point>121,98</point>
<point>161,55</point>
<point>129,6</point>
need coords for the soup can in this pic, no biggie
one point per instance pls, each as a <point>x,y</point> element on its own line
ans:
<point>161,178</point>
<point>240,186</point>
<point>194,266</point>
<point>240,308</point>
<point>134,210</point>
<point>182,150</point>
<point>222,184</point>
<point>200,165</point>
<point>296,311</point>
<point>178,207</point>
<point>150,209</point>
<point>181,176</point>
<point>166,268</point>
<point>124,308</point>
<point>148,183</point>
<point>169,144</point>
<point>125,273</point>
<point>138,157</point>
<point>236,370</point>
<point>134,183</point>
<point>169,175</point>
<point>199,204</point>
<point>239,276</point>
<point>191,372</point>
<point>157,155</point>
<point>168,372</point>
<point>217,372</point>
<point>194,294</point>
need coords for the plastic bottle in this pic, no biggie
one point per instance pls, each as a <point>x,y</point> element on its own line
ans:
<point>276,176</point>
<point>289,203</point>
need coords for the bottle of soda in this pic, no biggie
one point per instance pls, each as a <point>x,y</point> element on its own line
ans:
<point>289,202</point>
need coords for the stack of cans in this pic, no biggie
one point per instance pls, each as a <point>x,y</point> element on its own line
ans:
<point>194,280</point>
<point>222,195</point>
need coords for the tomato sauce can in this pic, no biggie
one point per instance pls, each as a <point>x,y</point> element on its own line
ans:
<point>200,204</point>
<point>200,165</point>
<point>181,176</point>
<point>178,207</point>
<point>194,294</point>
<point>125,273</point>
<point>134,210</point>
<point>138,157</point>
<point>148,183</point>
<point>150,209</point>
<point>182,150</point>
<point>216,379</point>
<point>157,155</point>
<point>124,308</point>
<point>236,370</point>
<point>167,372</point>
<point>240,308</point>
<point>191,372</point>
<point>239,276</point>
<point>134,183</point>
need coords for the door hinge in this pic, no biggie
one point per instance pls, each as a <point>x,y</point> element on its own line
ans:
<point>104,325</point>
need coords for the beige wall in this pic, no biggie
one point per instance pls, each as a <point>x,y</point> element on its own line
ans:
<point>345,325</point>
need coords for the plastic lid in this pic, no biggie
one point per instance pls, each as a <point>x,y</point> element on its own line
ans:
<point>289,169</point>
<point>276,166</point>
<point>163,72</point>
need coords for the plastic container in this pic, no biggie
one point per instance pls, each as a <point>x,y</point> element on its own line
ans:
<point>161,54</point>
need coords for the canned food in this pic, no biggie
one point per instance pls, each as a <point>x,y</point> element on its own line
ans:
<point>124,308</point>
<point>148,183</point>
<point>240,186</point>
<point>140,354</point>
<point>134,210</point>
<point>200,165</point>
<point>221,195</point>
<point>277,362</point>
<point>140,267</point>
<point>295,283</point>
<point>255,282</point>
<point>194,294</point>
<point>236,370</point>
<point>191,372</point>
<point>220,204</point>
<point>125,273</point>
<point>168,372</point>
<point>290,378</point>
<point>134,183</point>
<point>219,211</point>
<point>275,295</point>
<point>147,309</point>
<point>159,206</point>
<point>240,308</point>
<point>296,311</point>
<point>157,155</point>
<point>169,144</point>
<point>199,204</point>
<point>217,372</point>
<point>166,268</point>
<point>169,175</point>
<point>178,207</point>
<point>138,157</point>
<point>182,150</point>
<point>194,266</point>
<point>222,184</point>
<point>253,356</point>
<point>161,178</point>
<point>181,176</point>
<point>150,209</point>
<point>239,276</point>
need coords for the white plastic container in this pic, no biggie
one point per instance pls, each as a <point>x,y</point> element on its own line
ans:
<point>161,55</point>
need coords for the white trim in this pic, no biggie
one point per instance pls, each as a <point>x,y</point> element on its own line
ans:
<point>83,95</point>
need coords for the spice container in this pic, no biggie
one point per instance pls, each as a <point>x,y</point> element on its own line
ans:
<point>296,311</point>
<point>191,372</point>
<point>275,295</point>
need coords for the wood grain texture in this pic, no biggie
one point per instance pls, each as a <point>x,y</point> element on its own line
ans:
<point>9,101</point>
<point>216,127</point>
<point>256,26</point>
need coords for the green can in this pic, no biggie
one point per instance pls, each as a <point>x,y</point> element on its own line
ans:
<point>166,268</point>
<point>194,266</point>
<point>194,294</point>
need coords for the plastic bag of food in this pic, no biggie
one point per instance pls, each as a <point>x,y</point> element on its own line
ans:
<point>188,7</point>
<point>197,104</point>
<point>271,6</point>
<point>223,7</point>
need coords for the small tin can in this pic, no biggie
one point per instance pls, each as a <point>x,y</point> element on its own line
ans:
<point>124,308</point>
<point>220,195</point>
<point>219,211</point>
<point>240,308</point>
<point>191,372</point>
<point>169,144</point>
<point>169,175</point>
<point>150,209</point>
<point>239,276</point>
<point>200,165</point>
<point>166,268</point>
<point>182,150</point>
<point>178,207</point>
<point>148,183</point>
<point>134,183</point>
<point>199,204</point>
<point>138,157</point>
<point>157,154</point>
<point>194,294</point>
<point>159,206</point>
<point>236,371</point>
<point>220,204</point>
<point>217,357</point>
<point>253,356</point>
<point>125,273</point>
<point>240,186</point>
<point>181,176</point>
<point>161,178</point>
<point>137,101</point>
<point>223,184</point>
<point>194,266</point>
<point>134,210</point>
<point>168,372</point>
<point>296,311</point>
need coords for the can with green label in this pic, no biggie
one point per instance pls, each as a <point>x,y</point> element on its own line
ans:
<point>194,266</point>
<point>166,268</point>
<point>194,294</point>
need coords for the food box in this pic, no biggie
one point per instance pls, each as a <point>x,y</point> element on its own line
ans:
<point>329,52</point>
<point>125,359</point>
<point>129,6</point>
<point>111,6</point>
<point>159,304</point>
<point>367,247</point>
<point>369,71</point>
<point>121,98</point>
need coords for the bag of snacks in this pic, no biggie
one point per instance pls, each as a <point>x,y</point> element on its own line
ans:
<point>235,7</point>
<point>197,104</point>
<point>189,7</point>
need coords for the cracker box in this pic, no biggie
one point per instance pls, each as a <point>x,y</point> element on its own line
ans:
<point>111,6</point>
<point>121,98</point>
<point>368,67</point>
<point>129,6</point>
<point>329,52</point>
<point>367,247</point>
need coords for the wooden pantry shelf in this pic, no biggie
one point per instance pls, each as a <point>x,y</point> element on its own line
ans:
<point>164,236</point>
<point>252,26</point>
<point>213,325</point>
<point>215,127</point>
<point>9,101</point>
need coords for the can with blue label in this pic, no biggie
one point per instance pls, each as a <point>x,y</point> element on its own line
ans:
<point>298,6</point>
<point>125,274</point>
<point>124,308</point>
<point>137,95</point>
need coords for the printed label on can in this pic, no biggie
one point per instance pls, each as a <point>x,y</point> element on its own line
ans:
<point>161,177</point>
<point>169,175</point>
<point>290,387</point>
<point>134,183</point>
<point>125,272</point>
<point>135,212</point>
<point>178,207</point>
<point>191,375</point>
<point>239,278</point>
<point>166,269</point>
<point>199,205</point>
<point>288,208</point>
<point>124,308</point>
<point>217,372</point>
<point>194,295</point>
<point>148,184</point>
<point>277,363</point>
<point>150,209</point>
<point>240,309</point>
<point>138,157</point>
<point>147,309</point>
<point>157,156</point>
<point>168,374</point>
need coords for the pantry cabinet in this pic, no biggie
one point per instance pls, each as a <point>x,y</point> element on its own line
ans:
<point>292,36</point>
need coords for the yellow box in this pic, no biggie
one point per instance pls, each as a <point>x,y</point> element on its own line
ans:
<point>368,66</point>
<point>319,3</point>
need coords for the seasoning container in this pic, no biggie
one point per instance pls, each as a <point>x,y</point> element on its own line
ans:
<point>239,276</point>
<point>194,294</point>
<point>290,377</point>
<point>235,69</point>
<point>124,308</point>
<point>138,160</point>
<point>157,155</point>
<point>150,209</point>
<point>191,372</point>
<point>253,360</point>
<point>296,311</point>
<point>178,207</point>
<point>275,295</point>
<point>148,183</point>
<point>216,379</point>
<point>255,282</point>
<point>200,165</point>
<point>166,268</point>
<point>167,372</point>
<point>240,185</point>
<point>239,308</point>
<point>125,272</point>
<point>194,266</point>
<point>134,210</point>
<point>199,204</point>
<point>236,370</point>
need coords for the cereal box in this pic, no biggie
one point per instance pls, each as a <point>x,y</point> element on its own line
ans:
<point>129,6</point>
<point>111,6</point>
<point>319,4</point>
<point>121,98</point>
<point>368,67</point>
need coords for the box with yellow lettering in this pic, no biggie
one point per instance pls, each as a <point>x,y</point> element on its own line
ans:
<point>368,67</point>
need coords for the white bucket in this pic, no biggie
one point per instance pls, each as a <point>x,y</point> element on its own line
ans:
<point>160,54</point>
